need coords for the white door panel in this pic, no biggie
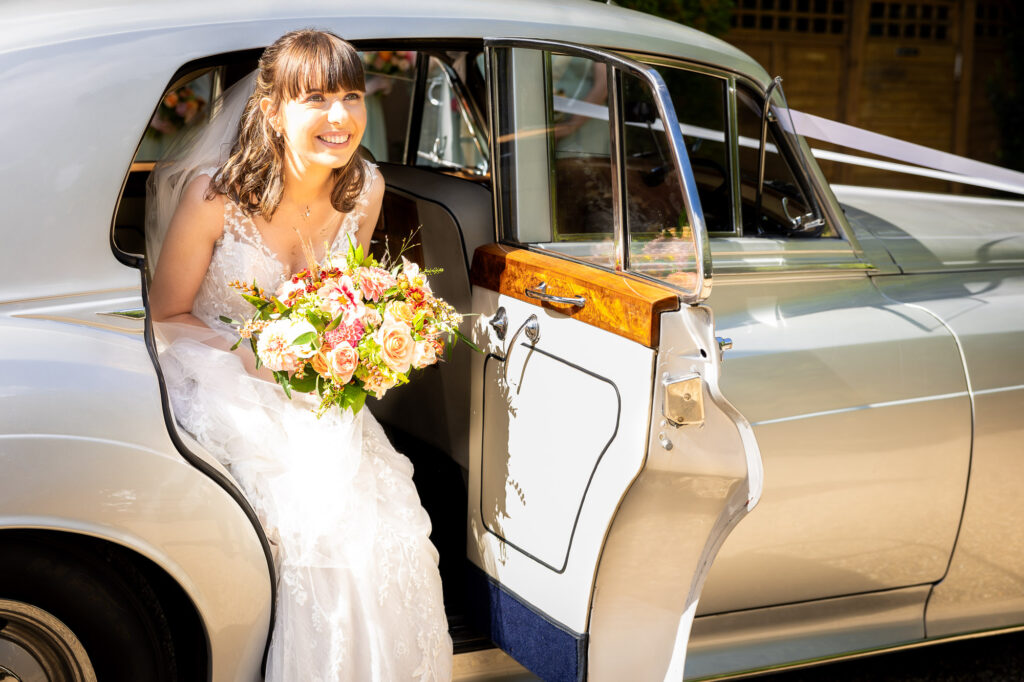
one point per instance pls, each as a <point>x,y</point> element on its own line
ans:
<point>575,422</point>
<point>533,501</point>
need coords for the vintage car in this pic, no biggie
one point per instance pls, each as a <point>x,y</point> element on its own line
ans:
<point>579,171</point>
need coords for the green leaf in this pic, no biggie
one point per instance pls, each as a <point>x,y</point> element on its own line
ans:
<point>282,378</point>
<point>281,307</point>
<point>226,320</point>
<point>334,323</point>
<point>307,384</point>
<point>237,343</point>
<point>255,300</point>
<point>252,342</point>
<point>319,385</point>
<point>303,339</point>
<point>315,320</point>
<point>465,340</point>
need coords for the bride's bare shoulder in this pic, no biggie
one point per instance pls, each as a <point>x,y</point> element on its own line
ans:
<point>201,209</point>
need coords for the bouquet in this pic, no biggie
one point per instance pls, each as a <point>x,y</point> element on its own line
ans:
<point>348,332</point>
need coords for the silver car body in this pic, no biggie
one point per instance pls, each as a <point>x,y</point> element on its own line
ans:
<point>880,369</point>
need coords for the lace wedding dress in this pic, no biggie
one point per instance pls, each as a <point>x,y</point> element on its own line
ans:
<point>359,594</point>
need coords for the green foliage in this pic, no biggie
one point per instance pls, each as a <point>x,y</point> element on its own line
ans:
<point>710,16</point>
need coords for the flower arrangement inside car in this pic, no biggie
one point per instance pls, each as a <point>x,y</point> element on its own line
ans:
<point>348,332</point>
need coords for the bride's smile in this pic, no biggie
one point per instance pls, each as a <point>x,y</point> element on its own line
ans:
<point>322,129</point>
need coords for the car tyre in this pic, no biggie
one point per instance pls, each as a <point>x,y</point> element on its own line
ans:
<point>103,603</point>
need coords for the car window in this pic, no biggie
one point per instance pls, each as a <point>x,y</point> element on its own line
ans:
<point>184,103</point>
<point>700,103</point>
<point>450,137</point>
<point>558,176</point>
<point>783,201</point>
<point>390,76</point>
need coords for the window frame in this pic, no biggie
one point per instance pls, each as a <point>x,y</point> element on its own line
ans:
<point>618,63</point>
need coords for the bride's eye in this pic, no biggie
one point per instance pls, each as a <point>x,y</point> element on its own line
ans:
<point>353,96</point>
<point>314,98</point>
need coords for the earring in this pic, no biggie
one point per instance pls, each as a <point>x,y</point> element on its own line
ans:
<point>279,133</point>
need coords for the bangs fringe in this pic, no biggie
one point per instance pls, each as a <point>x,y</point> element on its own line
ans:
<point>320,61</point>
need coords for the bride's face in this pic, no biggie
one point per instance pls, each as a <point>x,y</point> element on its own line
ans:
<point>322,128</point>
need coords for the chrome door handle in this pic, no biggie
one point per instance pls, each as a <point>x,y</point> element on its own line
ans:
<point>532,327</point>
<point>541,292</point>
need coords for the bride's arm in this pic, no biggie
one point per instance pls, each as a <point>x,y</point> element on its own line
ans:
<point>185,255</point>
<point>375,197</point>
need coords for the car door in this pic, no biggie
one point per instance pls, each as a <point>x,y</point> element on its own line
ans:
<point>606,467</point>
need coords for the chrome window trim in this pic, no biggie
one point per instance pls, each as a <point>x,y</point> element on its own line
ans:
<point>731,122</point>
<point>620,215</point>
<point>694,213</point>
<point>734,158</point>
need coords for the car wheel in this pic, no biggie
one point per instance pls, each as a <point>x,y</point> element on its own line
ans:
<point>36,647</point>
<point>81,608</point>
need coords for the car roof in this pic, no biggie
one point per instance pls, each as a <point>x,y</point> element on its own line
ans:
<point>33,23</point>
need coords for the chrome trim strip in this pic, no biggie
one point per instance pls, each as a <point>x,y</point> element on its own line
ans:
<point>732,114</point>
<point>864,653</point>
<point>866,406</point>
<point>620,215</point>
<point>496,174</point>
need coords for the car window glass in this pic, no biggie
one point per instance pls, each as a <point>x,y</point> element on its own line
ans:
<point>558,173</point>
<point>700,103</point>
<point>186,103</point>
<point>660,236</point>
<point>782,199</point>
<point>389,89</point>
<point>555,153</point>
<point>449,135</point>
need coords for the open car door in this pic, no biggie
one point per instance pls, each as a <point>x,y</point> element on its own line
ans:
<point>606,468</point>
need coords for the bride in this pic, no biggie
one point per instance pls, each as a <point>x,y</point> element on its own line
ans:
<point>359,594</point>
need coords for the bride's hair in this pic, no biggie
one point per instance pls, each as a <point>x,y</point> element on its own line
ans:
<point>297,62</point>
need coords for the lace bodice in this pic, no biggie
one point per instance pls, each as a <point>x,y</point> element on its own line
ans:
<point>240,254</point>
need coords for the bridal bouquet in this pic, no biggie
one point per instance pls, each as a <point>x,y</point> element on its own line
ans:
<point>348,332</point>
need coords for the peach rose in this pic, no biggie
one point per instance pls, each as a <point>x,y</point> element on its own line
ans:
<point>396,344</point>
<point>371,317</point>
<point>342,362</point>
<point>424,354</point>
<point>401,311</point>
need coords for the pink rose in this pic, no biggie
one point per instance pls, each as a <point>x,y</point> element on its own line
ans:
<point>396,344</point>
<point>424,354</point>
<point>342,362</point>
<point>373,282</point>
<point>340,295</point>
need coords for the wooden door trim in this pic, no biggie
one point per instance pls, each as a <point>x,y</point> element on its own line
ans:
<point>617,303</point>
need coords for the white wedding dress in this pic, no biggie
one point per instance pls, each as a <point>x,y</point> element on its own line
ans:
<point>359,594</point>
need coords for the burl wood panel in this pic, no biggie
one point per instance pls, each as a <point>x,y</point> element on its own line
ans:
<point>619,304</point>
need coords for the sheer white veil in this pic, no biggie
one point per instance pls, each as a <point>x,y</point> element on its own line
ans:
<point>201,149</point>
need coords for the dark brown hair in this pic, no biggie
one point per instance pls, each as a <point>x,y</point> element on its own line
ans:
<point>298,62</point>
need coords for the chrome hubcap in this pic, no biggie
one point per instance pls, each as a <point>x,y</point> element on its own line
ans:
<point>36,647</point>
